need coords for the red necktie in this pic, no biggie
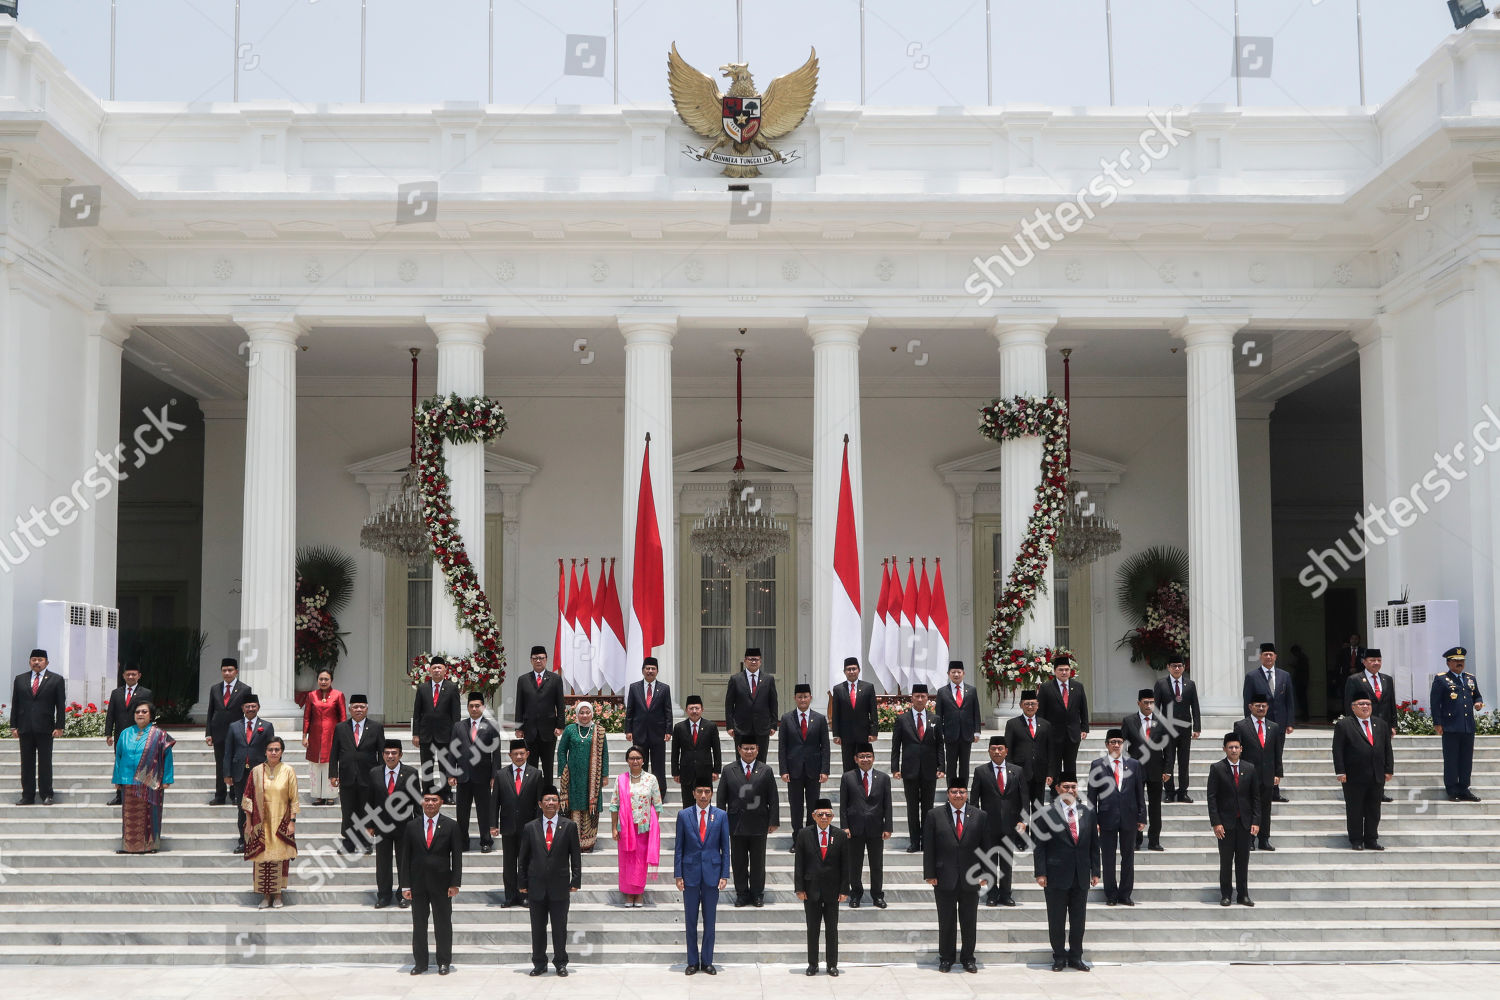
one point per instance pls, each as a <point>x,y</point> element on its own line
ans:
<point>1377,687</point>
<point>390,782</point>
<point>1369,735</point>
<point>1117,774</point>
<point>1148,729</point>
<point>247,734</point>
<point>695,734</point>
<point>804,726</point>
<point>358,729</point>
<point>1260,731</point>
<point>648,695</point>
<point>129,694</point>
<point>434,694</point>
<point>1177,686</point>
<point>958,695</point>
<point>1073,824</point>
<point>429,832</point>
<point>1065,701</point>
<point>1235,770</point>
<point>517,772</point>
<point>824,849</point>
<point>549,835</point>
<point>539,680</point>
<point>851,694</point>
<point>702,826</point>
<point>753,685</point>
<point>921,727</point>
<point>960,824</point>
<point>1031,725</point>
<point>867,783</point>
<point>227,689</point>
<point>36,682</point>
<point>474,731</point>
<point>1000,776</point>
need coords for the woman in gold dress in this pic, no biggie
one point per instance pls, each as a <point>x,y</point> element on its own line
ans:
<point>270,804</point>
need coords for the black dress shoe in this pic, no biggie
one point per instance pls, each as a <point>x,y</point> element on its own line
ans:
<point>486,848</point>
<point>1079,964</point>
<point>1374,845</point>
<point>212,802</point>
<point>562,970</point>
<point>537,972</point>
<point>1111,902</point>
<point>970,967</point>
<point>1267,846</point>
<point>854,903</point>
<point>1280,798</point>
<point>1059,966</point>
<point>945,966</point>
<point>691,970</point>
<point>1358,847</point>
<point>381,904</point>
<point>443,970</point>
<point>1185,797</point>
<point>758,902</point>
<point>1126,901</point>
<point>1386,798</point>
<point>47,800</point>
<point>239,848</point>
<point>1451,798</point>
<point>31,802</point>
<point>910,848</point>
<point>417,970</point>
<point>405,903</point>
<point>1008,901</point>
<point>741,901</point>
<point>1246,901</point>
<point>833,970</point>
<point>708,969</point>
<point>1155,847</point>
<point>880,903</point>
<point>812,970</point>
<point>1224,901</point>
<point>116,801</point>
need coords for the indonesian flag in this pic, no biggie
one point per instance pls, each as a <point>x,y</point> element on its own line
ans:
<point>647,624</point>
<point>876,659</point>
<point>612,636</point>
<point>562,610</point>
<point>940,633</point>
<point>584,641</point>
<point>845,627</point>
<point>893,631</point>
<point>907,632</point>
<point>921,650</point>
<point>596,632</point>
<point>569,665</point>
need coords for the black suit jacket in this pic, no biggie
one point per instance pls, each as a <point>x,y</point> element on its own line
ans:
<point>1120,807</point>
<point>700,759</point>
<point>917,757</point>
<point>862,816</point>
<point>1056,857</point>
<point>1282,708</point>
<point>432,871</point>
<point>754,803</point>
<point>1069,723</point>
<point>540,711</point>
<point>798,757</point>
<point>959,724</point>
<point>517,810</point>
<point>221,715</point>
<point>240,756</point>
<point>1035,757</point>
<point>1003,811</point>
<point>40,715</point>
<point>648,725</point>
<point>947,858</point>
<point>1151,753</point>
<point>1185,712</point>
<point>1224,797</point>
<point>544,874</point>
<point>1382,708</point>
<point>1354,756</point>
<point>744,714</point>
<point>475,761</point>
<point>351,762</point>
<point>119,716</point>
<point>1268,761</point>
<point>821,877</point>
<point>858,723</point>
<point>393,811</point>
<point>434,723</point>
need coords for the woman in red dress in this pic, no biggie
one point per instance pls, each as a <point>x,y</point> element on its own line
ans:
<point>325,708</point>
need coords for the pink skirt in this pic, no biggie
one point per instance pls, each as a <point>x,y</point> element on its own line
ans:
<point>633,869</point>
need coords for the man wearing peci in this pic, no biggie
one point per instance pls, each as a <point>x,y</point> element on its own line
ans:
<point>1454,699</point>
<point>119,714</point>
<point>1378,687</point>
<point>396,797</point>
<point>851,713</point>
<point>696,756</point>
<point>1261,745</point>
<point>1234,812</point>
<point>1363,762</point>
<point>38,715</point>
<point>1117,787</point>
<point>1146,735</point>
<point>1176,700</point>
<point>867,812</point>
<point>540,711</point>
<point>1065,861</point>
<point>472,772</point>
<point>648,719</point>
<point>357,744</point>
<point>1064,703</point>
<point>225,705</point>
<point>748,794</point>
<point>952,850</point>
<point>999,791</point>
<point>917,762</point>
<point>750,707</point>
<point>434,713</point>
<point>245,745</point>
<point>551,870</point>
<point>1029,745</point>
<point>957,706</point>
<point>700,864</point>
<point>820,878</point>
<point>433,850</point>
<point>518,793</point>
<point>803,753</point>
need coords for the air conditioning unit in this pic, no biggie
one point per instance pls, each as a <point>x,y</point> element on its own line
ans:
<point>1412,639</point>
<point>83,645</point>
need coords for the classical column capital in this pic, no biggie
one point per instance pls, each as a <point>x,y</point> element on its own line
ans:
<point>458,329</point>
<point>271,327</point>
<point>1254,409</point>
<point>1377,328</point>
<point>1207,330</point>
<point>836,329</point>
<point>1023,329</point>
<point>106,327</point>
<point>648,329</point>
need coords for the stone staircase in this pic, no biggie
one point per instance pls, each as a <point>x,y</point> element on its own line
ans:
<point>1435,892</point>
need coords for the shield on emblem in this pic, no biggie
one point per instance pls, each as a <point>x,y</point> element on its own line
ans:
<point>741,118</point>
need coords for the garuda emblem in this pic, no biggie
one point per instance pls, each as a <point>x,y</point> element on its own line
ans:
<point>742,119</point>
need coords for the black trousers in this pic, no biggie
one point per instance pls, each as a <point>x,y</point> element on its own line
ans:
<point>958,911</point>
<point>1178,751</point>
<point>476,793</point>
<point>822,913</point>
<point>847,746</point>
<point>1124,839</point>
<point>919,795</point>
<point>1066,753</point>
<point>385,849</point>
<point>656,762</point>
<point>690,777</point>
<point>431,772</point>
<point>543,752</point>
<point>236,796</point>
<point>747,856</point>
<point>220,743</point>
<point>441,907</point>
<point>1004,854</point>
<point>957,756</point>
<point>353,799</point>
<point>801,793</point>
<point>1153,812</point>
<point>36,763</point>
<point>857,845</point>
<point>556,911</point>
<point>1362,810</point>
<point>1267,793</point>
<point>1234,850</point>
<point>510,847</point>
<point>1067,911</point>
<point>1458,762</point>
<point>1036,791</point>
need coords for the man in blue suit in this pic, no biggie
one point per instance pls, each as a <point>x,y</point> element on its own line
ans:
<point>1276,685</point>
<point>1117,786</point>
<point>700,863</point>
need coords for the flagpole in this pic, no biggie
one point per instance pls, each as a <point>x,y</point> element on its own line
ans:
<point>615,66</point>
<point>989,54</point>
<point>1359,39</point>
<point>114,17</point>
<point>861,52</point>
<point>492,53</point>
<point>1238,95</point>
<point>1109,45</point>
<point>739,30</point>
<point>236,50</point>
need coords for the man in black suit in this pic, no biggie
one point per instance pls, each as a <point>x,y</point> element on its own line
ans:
<point>867,812</point>
<point>119,714</point>
<point>396,797</point>
<point>1030,746</point>
<point>38,715</point>
<point>540,711</point>
<point>1378,687</point>
<point>957,707</point>
<point>1064,703</point>
<point>998,790</point>
<point>820,878</point>
<point>748,794</point>
<point>917,762</point>
<point>244,747</point>
<point>226,702</point>
<point>1146,738</point>
<point>518,793</point>
<point>648,719</point>
<point>1276,684</point>
<point>803,752</point>
<point>1065,861</point>
<point>851,712</point>
<point>1177,702</point>
<point>1234,811</point>
<point>434,713</point>
<point>695,750</point>
<point>475,742</point>
<point>433,852</point>
<point>750,707</point>
<point>1117,786</point>
<point>551,870</point>
<point>1364,762</point>
<point>952,858</point>
<point>1261,743</point>
<point>357,742</point>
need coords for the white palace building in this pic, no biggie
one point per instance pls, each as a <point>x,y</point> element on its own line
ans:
<point>1277,318</point>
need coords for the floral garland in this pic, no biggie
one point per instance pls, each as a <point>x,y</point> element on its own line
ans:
<point>1006,420</point>
<point>1023,669</point>
<point>317,641</point>
<point>1165,628</point>
<point>458,420</point>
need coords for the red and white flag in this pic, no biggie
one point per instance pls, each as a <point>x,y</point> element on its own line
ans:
<point>596,631</point>
<point>876,659</point>
<point>583,641</point>
<point>893,632</point>
<point>612,636</point>
<point>921,650</point>
<point>845,627</point>
<point>907,628</point>
<point>568,662</point>
<point>562,610</point>
<point>647,626</point>
<point>939,633</point>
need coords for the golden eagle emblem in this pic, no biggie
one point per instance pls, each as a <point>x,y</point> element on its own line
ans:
<point>743,118</point>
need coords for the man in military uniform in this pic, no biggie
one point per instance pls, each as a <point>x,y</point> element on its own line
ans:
<point>1455,699</point>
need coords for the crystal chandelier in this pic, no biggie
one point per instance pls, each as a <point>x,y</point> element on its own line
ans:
<point>398,531</point>
<point>1084,534</point>
<point>741,532</point>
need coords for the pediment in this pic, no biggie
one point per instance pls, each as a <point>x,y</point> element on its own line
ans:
<point>984,466</point>
<point>759,458</point>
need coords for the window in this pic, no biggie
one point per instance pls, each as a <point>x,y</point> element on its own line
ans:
<point>418,609</point>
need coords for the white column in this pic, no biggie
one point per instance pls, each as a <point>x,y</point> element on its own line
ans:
<point>268,554</point>
<point>1253,422</point>
<point>224,438</point>
<point>1215,595</point>
<point>99,525</point>
<point>1380,422</point>
<point>648,410</point>
<point>1023,372</point>
<point>835,414</point>
<point>460,351</point>
<point>510,567</point>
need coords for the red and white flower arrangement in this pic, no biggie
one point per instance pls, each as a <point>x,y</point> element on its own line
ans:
<point>1023,669</point>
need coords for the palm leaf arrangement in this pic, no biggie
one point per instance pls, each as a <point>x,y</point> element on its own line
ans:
<point>1152,593</point>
